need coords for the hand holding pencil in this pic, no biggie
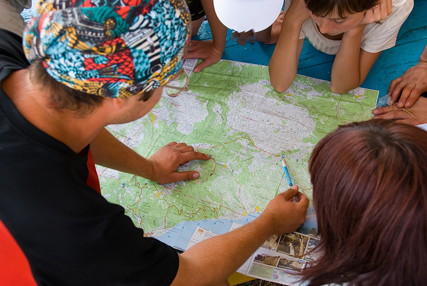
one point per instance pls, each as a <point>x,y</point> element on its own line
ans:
<point>288,177</point>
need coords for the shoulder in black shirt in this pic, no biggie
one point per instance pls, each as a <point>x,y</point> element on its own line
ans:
<point>68,232</point>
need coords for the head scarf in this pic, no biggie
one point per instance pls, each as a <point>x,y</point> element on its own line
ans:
<point>113,48</point>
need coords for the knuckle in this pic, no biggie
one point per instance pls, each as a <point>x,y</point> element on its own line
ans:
<point>175,157</point>
<point>402,83</point>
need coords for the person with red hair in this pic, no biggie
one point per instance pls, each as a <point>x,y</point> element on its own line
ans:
<point>370,195</point>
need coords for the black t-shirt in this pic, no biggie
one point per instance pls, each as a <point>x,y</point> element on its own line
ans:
<point>68,232</point>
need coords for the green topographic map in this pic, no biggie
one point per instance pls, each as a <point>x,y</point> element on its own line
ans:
<point>233,114</point>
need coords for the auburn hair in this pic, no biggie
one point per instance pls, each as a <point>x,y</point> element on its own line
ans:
<point>322,8</point>
<point>370,194</point>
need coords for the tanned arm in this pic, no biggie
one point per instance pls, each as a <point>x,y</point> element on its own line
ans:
<point>161,167</point>
<point>209,51</point>
<point>284,62</point>
<point>351,64</point>
<point>210,262</point>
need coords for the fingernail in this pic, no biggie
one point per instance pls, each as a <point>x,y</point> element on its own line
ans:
<point>375,111</point>
<point>407,104</point>
<point>294,187</point>
<point>196,70</point>
<point>400,105</point>
<point>196,175</point>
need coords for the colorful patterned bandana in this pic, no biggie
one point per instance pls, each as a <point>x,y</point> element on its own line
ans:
<point>114,48</point>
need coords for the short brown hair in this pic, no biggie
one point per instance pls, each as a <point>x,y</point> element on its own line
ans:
<point>370,194</point>
<point>321,8</point>
<point>62,97</point>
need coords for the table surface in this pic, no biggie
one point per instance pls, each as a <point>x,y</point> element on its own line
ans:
<point>392,63</point>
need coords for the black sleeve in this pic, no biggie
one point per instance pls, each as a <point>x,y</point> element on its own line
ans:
<point>72,236</point>
<point>117,253</point>
<point>12,56</point>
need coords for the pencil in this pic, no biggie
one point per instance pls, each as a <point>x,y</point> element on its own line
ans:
<point>287,172</point>
<point>285,167</point>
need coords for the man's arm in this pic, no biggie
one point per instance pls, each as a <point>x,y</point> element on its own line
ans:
<point>161,167</point>
<point>415,115</point>
<point>411,84</point>
<point>212,261</point>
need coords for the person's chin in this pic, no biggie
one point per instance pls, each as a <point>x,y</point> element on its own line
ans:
<point>334,34</point>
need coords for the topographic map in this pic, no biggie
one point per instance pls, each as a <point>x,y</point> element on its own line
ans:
<point>233,114</point>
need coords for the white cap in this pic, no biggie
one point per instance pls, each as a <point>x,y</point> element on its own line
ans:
<point>246,15</point>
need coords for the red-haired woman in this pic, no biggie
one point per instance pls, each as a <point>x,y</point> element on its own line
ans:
<point>370,194</point>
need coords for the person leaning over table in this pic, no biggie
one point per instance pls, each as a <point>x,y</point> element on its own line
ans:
<point>353,30</point>
<point>370,196</point>
<point>95,64</point>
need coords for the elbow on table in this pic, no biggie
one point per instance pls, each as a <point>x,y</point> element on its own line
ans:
<point>279,81</point>
<point>342,89</point>
<point>280,86</point>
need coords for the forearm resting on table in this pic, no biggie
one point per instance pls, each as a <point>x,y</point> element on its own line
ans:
<point>212,261</point>
<point>345,74</point>
<point>352,64</point>
<point>109,152</point>
<point>284,62</point>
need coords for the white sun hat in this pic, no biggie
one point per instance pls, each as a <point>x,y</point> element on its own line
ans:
<point>246,15</point>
